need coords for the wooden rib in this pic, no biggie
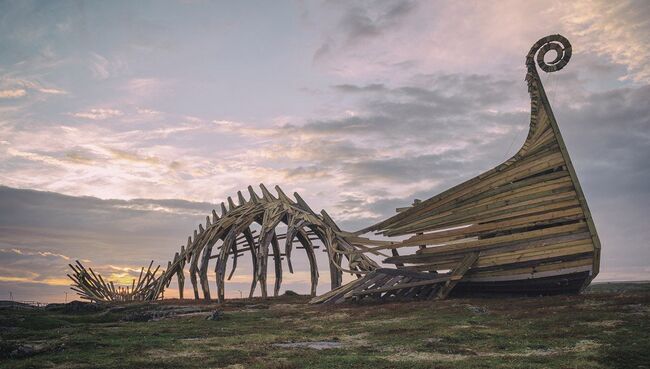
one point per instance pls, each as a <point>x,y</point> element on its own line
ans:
<point>457,274</point>
<point>254,252</point>
<point>278,265</point>
<point>311,256</point>
<point>235,255</point>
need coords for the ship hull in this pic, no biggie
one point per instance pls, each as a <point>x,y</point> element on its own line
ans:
<point>570,283</point>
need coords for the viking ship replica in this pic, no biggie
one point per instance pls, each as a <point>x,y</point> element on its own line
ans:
<point>523,227</point>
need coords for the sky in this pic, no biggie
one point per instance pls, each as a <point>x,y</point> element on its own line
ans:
<point>122,124</point>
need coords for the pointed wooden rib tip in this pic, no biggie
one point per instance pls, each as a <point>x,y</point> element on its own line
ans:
<point>265,193</point>
<point>215,217</point>
<point>207,221</point>
<point>231,204</point>
<point>328,219</point>
<point>302,203</point>
<point>253,195</point>
<point>241,198</point>
<point>224,211</point>
<point>282,195</point>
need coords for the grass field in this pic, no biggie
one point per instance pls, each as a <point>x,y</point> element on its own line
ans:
<point>607,327</point>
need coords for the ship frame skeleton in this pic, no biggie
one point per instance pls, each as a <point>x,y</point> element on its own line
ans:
<point>523,227</point>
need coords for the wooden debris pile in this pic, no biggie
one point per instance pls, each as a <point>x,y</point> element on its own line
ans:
<point>91,286</point>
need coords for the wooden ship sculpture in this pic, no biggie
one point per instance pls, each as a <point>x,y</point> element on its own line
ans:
<point>523,227</point>
<point>231,235</point>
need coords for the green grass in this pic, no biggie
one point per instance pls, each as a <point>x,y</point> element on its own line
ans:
<point>604,328</point>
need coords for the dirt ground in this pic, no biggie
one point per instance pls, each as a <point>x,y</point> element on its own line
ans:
<point>606,327</point>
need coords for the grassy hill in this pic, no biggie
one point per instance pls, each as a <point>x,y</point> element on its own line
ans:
<point>607,327</point>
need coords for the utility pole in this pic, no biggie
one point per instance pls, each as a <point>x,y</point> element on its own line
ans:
<point>11,296</point>
<point>66,297</point>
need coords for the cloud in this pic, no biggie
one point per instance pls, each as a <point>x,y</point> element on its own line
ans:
<point>32,266</point>
<point>32,253</point>
<point>411,153</point>
<point>118,236</point>
<point>149,112</point>
<point>619,31</point>
<point>310,172</point>
<point>162,206</point>
<point>133,157</point>
<point>323,51</point>
<point>102,68</point>
<point>46,281</point>
<point>52,91</point>
<point>99,67</point>
<point>353,88</point>
<point>13,88</point>
<point>401,101</point>
<point>244,129</point>
<point>404,169</point>
<point>124,164</point>
<point>364,41</point>
<point>360,23</point>
<point>143,88</point>
<point>98,114</point>
<point>393,129</point>
<point>13,94</point>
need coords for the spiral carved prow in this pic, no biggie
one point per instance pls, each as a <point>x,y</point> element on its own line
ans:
<point>557,43</point>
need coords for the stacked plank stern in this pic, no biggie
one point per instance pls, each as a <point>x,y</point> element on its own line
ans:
<point>527,219</point>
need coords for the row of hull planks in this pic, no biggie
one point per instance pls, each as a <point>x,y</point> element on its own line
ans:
<point>524,227</point>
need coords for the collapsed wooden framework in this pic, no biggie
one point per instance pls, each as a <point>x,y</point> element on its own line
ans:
<point>522,227</point>
<point>230,235</point>
<point>91,286</point>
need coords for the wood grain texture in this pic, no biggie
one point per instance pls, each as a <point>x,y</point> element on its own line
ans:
<point>526,218</point>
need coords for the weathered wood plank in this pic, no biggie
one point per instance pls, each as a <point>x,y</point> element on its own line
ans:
<point>399,286</point>
<point>457,274</point>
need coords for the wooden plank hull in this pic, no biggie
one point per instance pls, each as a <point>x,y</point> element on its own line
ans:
<point>402,284</point>
<point>555,285</point>
<point>527,219</point>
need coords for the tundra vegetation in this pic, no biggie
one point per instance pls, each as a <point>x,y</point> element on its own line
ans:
<point>606,327</point>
